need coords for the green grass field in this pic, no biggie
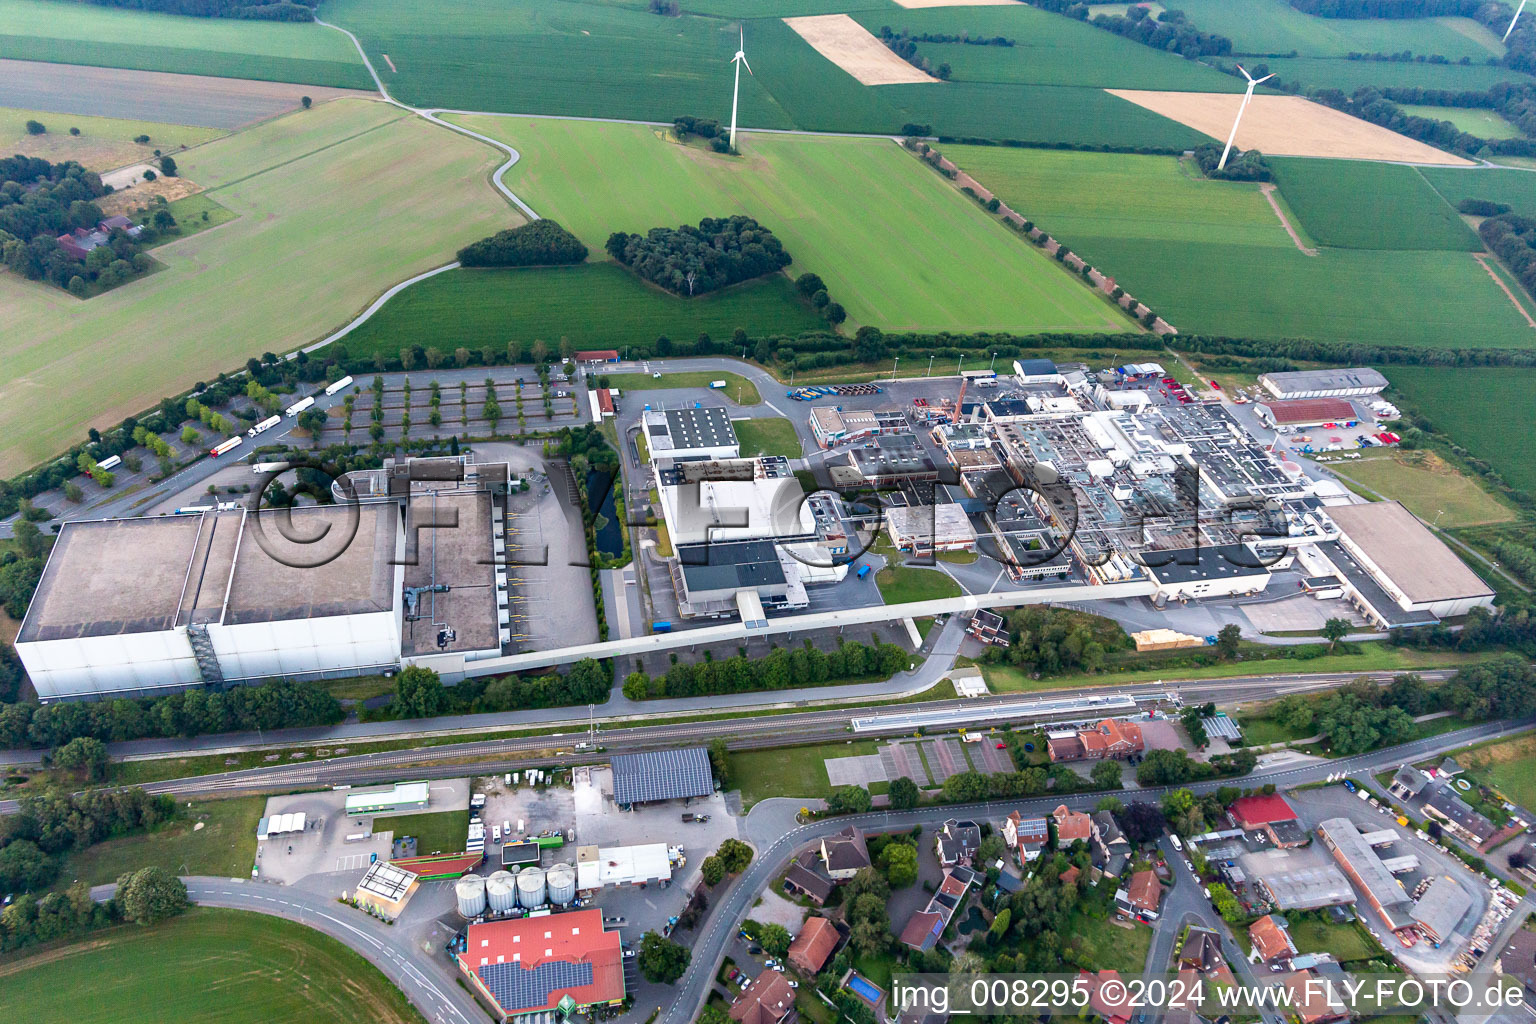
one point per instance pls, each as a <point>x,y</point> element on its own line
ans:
<point>1482,409</point>
<point>1514,188</point>
<point>229,966</point>
<point>70,33</point>
<point>1509,766</point>
<point>1274,26</point>
<point>1355,204</point>
<point>1430,487</point>
<point>435,832</point>
<point>334,205</point>
<point>194,213</point>
<point>1484,123</point>
<point>767,437</point>
<point>735,384</point>
<point>1212,256</point>
<point>790,771</point>
<point>103,142</point>
<point>1107,945</point>
<point>1344,941</point>
<point>225,846</point>
<point>900,584</point>
<point>1349,75</point>
<point>894,242</point>
<point>595,305</point>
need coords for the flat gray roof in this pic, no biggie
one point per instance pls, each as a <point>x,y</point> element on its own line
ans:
<point>460,531</point>
<point>276,575</point>
<point>1292,381</point>
<point>1417,562</point>
<point>1442,907</point>
<point>708,427</point>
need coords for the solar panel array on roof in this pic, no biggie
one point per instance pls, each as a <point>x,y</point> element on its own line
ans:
<point>516,988</point>
<point>661,775</point>
<point>700,428</point>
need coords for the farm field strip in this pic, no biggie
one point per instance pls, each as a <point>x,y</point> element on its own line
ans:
<point>334,204</point>
<point>1354,204</point>
<point>1274,26</point>
<point>880,228</point>
<point>1486,409</point>
<point>103,143</point>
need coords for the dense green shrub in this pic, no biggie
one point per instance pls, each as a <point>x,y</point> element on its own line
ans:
<point>539,244</point>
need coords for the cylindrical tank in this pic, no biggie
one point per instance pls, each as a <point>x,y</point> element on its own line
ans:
<point>501,891</point>
<point>530,887</point>
<point>470,891</point>
<point>562,884</point>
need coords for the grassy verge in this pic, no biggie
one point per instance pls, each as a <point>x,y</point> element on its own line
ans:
<point>790,771</point>
<point>225,845</point>
<point>767,437</point>
<point>900,584</point>
<point>437,832</point>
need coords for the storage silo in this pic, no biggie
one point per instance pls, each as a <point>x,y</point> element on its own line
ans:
<point>562,884</point>
<point>530,887</point>
<point>501,891</point>
<point>470,891</point>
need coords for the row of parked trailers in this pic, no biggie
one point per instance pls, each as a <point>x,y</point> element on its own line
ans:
<point>271,421</point>
<point>810,394</point>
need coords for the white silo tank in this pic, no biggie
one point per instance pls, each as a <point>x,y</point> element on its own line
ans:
<point>530,887</point>
<point>470,891</point>
<point>562,884</point>
<point>501,891</point>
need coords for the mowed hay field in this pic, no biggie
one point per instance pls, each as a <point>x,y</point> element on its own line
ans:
<point>103,143</point>
<point>1212,256</point>
<point>334,204</point>
<point>1430,487</point>
<point>74,33</point>
<point>1483,123</point>
<point>230,966</point>
<point>896,244</point>
<point>598,305</point>
<point>1509,766</point>
<point>1274,26</point>
<point>1355,204</point>
<point>1487,410</point>
<point>1514,188</point>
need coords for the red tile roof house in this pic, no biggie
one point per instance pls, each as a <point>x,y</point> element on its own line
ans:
<point>1141,897</point>
<point>1025,836</point>
<point>602,355</point>
<point>1271,814</point>
<point>1313,999</point>
<point>1071,826</point>
<point>534,965</point>
<point>1110,738</point>
<point>767,999</point>
<point>1116,1012</point>
<point>813,947</point>
<point>1270,940</point>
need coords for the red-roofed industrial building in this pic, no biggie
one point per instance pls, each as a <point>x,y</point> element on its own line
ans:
<point>1306,412</point>
<point>534,965</point>
<point>1271,814</point>
<point>601,355</point>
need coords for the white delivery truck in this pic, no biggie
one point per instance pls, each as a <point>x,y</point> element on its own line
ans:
<point>266,424</point>
<point>301,405</point>
<point>340,385</point>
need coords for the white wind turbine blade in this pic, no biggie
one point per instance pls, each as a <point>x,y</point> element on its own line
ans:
<point>1245,72</point>
<point>1261,81</point>
<point>746,65</point>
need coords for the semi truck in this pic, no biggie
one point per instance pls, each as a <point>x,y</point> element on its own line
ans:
<point>300,405</point>
<point>269,467</point>
<point>110,462</point>
<point>340,385</point>
<point>266,424</point>
<point>225,446</point>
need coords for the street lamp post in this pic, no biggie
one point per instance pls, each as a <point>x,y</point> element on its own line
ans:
<point>894,361</point>
<point>993,364</point>
<point>930,364</point>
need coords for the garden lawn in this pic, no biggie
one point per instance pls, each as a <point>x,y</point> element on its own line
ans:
<point>1274,26</point>
<point>1212,257</point>
<point>798,772</point>
<point>901,584</point>
<point>1357,204</point>
<point>595,305</point>
<point>895,244</point>
<point>1485,410</point>
<point>230,966</point>
<point>767,437</point>
<point>104,143</point>
<point>274,51</point>
<point>1344,941</point>
<point>1106,945</point>
<point>735,384</point>
<point>1516,189</point>
<point>1509,766</point>
<point>435,832</point>
<point>1430,487</point>
<point>393,193</point>
<point>225,846</point>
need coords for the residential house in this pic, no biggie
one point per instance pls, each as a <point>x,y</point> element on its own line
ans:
<point>1113,1007</point>
<point>1025,836</point>
<point>1141,897</point>
<point>1408,782</point>
<point>1313,1000</point>
<point>1071,826</point>
<point>1072,874</point>
<point>1270,939</point>
<point>1110,738</point>
<point>1201,951</point>
<point>1457,815</point>
<point>766,999</point>
<point>925,926</point>
<point>1111,850</point>
<point>844,854</point>
<point>806,877</point>
<point>814,946</point>
<point>1518,959</point>
<point>957,843</point>
<point>1270,814</point>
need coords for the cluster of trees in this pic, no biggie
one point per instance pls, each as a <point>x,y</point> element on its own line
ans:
<point>1171,31</point>
<point>905,47</point>
<point>540,243</point>
<point>21,569</point>
<point>1175,767</point>
<point>1242,165</point>
<point>1389,8</point>
<point>886,33</point>
<point>731,858</point>
<point>40,201</point>
<point>661,960</point>
<point>276,705</point>
<point>143,897</point>
<point>276,10</point>
<point>814,290</point>
<point>1049,640</point>
<point>1512,238</point>
<point>1032,931</point>
<point>688,260</point>
<point>780,669</point>
<point>705,128</point>
<point>34,840</point>
<point>1481,207</point>
<point>420,693</point>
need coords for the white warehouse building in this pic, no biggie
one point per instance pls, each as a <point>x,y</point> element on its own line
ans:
<point>137,606</point>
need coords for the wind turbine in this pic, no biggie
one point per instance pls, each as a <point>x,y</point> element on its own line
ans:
<point>1514,19</point>
<point>739,60</point>
<point>1242,107</point>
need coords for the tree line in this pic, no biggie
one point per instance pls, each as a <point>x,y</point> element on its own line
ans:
<point>1388,9</point>
<point>780,669</point>
<point>143,897</point>
<point>278,10</point>
<point>34,840</point>
<point>1170,31</point>
<point>540,243</point>
<point>1512,237</point>
<point>1242,165</point>
<point>688,260</point>
<point>420,693</point>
